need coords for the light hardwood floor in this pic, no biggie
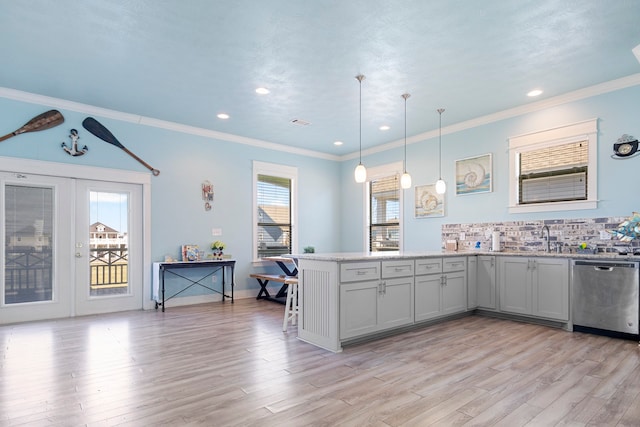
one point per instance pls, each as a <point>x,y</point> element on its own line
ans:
<point>224,365</point>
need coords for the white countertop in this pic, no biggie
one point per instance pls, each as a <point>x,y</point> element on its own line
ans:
<point>393,255</point>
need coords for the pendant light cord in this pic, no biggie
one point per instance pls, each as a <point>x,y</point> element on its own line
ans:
<point>360,80</point>
<point>405,96</point>
<point>440,111</point>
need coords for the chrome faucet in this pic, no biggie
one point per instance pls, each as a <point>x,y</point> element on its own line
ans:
<point>547,246</point>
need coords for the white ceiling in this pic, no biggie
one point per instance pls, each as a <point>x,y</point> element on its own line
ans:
<point>185,61</point>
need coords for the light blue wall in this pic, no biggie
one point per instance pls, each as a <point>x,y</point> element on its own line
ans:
<point>184,161</point>
<point>330,202</point>
<point>618,180</point>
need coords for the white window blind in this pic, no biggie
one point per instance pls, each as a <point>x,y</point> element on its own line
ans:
<point>274,215</point>
<point>384,200</point>
<point>554,173</point>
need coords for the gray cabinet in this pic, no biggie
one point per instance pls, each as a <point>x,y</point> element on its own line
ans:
<point>515,281</point>
<point>375,296</point>
<point>486,282</point>
<point>358,308</point>
<point>551,288</point>
<point>427,303</point>
<point>537,286</point>
<point>472,282</point>
<point>440,287</point>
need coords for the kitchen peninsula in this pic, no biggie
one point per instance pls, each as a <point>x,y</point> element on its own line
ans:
<point>351,297</point>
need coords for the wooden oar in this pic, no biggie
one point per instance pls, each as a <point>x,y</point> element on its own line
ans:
<point>43,121</point>
<point>93,126</point>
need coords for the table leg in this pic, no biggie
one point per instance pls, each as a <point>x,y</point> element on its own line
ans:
<point>163,290</point>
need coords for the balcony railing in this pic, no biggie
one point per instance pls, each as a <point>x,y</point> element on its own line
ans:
<point>109,267</point>
<point>28,275</point>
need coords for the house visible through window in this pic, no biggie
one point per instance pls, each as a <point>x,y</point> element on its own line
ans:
<point>274,210</point>
<point>384,208</point>
<point>554,169</point>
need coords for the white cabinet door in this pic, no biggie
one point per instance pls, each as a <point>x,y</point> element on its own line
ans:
<point>395,303</point>
<point>551,288</point>
<point>427,296</point>
<point>359,308</point>
<point>486,282</point>
<point>454,293</point>
<point>515,289</point>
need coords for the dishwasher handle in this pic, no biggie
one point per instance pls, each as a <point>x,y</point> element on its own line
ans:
<point>602,268</point>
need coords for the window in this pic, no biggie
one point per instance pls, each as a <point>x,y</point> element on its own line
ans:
<point>274,209</point>
<point>384,205</point>
<point>554,169</point>
<point>383,198</point>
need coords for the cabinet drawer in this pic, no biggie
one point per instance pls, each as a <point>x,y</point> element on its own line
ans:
<point>392,269</point>
<point>454,264</point>
<point>428,266</point>
<point>359,271</point>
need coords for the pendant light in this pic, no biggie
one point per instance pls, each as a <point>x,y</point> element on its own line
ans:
<point>441,186</point>
<point>405,179</point>
<point>360,172</point>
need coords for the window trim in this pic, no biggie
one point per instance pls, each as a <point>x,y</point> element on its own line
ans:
<point>586,131</point>
<point>282,171</point>
<point>395,168</point>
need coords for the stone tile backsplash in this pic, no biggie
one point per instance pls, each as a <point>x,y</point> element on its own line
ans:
<point>527,235</point>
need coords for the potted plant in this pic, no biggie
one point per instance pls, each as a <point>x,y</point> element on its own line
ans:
<point>218,248</point>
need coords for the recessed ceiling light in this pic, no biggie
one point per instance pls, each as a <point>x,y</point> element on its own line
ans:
<point>385,127</point>
<point>223,116</point>
<point>534,92</point>
<point>338,143</point>
<point>262,91</point>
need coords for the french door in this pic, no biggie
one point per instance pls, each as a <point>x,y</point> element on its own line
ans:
<point>107,247</point>
<point>71,247</point>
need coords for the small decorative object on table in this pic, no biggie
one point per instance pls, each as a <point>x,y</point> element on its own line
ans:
<point>309,249</point>
<point>190,252</point>
<point>218,248</point>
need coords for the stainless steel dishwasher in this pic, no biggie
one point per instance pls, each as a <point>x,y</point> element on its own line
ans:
<point>605,296</point>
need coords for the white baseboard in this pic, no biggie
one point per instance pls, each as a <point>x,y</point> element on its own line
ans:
<point>201,299</point>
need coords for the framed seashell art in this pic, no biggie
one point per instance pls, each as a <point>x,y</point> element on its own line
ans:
<point>474,175</point>
<point>428,203</point>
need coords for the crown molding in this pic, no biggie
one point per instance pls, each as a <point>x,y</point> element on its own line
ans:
<point>599,89</point>
<point>91,110</point>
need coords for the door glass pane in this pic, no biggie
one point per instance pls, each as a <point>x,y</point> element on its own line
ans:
<point>28,272</point>
<point>108,243</point>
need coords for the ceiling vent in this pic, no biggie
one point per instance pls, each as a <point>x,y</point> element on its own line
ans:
<point>300,122</point>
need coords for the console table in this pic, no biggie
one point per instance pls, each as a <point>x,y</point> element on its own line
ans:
<point>227,267</point>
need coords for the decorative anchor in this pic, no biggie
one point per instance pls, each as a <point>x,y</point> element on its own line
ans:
<point>73,151</point>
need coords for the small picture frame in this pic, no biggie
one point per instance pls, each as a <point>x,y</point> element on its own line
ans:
<point>428,203</point>
<point>474,175</point>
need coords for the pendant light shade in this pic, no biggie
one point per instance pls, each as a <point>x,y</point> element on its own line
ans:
<point>441,186</point>
<point>405,179</point>
<point>360,173</point>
